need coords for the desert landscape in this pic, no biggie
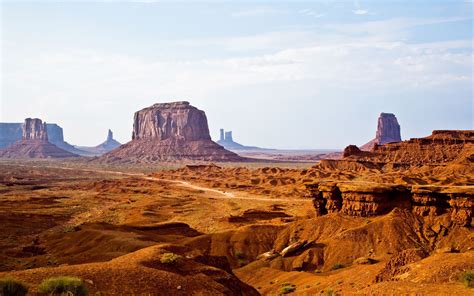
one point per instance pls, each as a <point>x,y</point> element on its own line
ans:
<point>173,213</point>
<point>195,148</point>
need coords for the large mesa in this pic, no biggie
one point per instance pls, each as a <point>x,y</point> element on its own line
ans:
<point>169,132</point>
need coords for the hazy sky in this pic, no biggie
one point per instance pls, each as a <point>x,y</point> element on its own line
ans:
<point>279,74</point>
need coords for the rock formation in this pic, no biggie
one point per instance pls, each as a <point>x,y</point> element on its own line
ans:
<point>388,130</point>
<point>109,145</point>
<point>227,142</point>
<point>371,199</point>
<point>34,129</point>
<point>440,147</point>
<point>167,132</point>
<point>34,143</point>
<point>12,132</point>
<point>9,133</point>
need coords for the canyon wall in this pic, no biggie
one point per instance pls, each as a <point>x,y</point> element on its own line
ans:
<point>367,199</point>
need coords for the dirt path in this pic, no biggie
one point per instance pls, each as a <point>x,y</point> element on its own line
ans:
<point>220,194</point>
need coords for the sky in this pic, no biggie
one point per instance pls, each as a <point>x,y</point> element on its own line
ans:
<point>289,75</point>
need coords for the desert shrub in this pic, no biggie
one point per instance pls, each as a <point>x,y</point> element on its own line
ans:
<point>330,292</point>
<point>337,266</point>
<point>239,255</point>
<point>63,285</point>
<point>12,287</point>
<point>169,258</point>
<point>287,288</point>
<point>467,278</point>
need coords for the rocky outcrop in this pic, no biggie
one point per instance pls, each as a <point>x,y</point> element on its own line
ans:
<point>34,129</point>
<point>34,143</point>
<point>12,132</point>
<point>226,140</point>
<point>370,199</point>
<point>388,130</point>
<point>169,132</point>
<point>109,145</point>
<point>178,120</point>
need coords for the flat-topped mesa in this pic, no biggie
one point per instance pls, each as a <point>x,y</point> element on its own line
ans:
<point>170,132</point>
<point>34,129</point>
<point>178,120</point>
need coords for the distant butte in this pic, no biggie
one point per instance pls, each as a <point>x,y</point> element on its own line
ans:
<point>34,143</point>
<point>388,130</point>
<point>169,132</point>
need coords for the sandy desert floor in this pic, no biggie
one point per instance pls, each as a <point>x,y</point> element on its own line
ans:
<point>108,226</point>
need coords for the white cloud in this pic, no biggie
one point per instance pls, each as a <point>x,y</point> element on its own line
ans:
<point>258,11</point>
<point>360,11</point>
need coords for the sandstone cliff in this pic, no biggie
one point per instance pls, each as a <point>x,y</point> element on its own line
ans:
<point>168,132</point>
<point>34,143</point>
<point>34,129</point>
<point>388,130</point>
<point>441,147</point>
<point>371,199</point>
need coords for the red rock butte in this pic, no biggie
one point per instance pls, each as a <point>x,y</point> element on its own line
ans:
<point>34,143</point>
<point>170,132</point>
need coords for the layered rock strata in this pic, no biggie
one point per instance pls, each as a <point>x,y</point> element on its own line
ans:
<point>168,132</point>
<point>441,147</point>
<point>369,199</point>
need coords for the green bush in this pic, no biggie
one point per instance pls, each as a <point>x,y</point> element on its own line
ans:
<point>239,255</point>
<point>287,288</point>
<point>63,285</point>
<point>467,278</point>
<point>12,287</point>
<point>337,266</point>
<point>169,258</point>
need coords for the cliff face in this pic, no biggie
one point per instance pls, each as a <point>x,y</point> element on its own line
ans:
<point>9,133</point>
<point>12,132</point>
<point>34,143</point>
<point>370,199</point>
<point>178,120</point>
<point>441,147</point>
<point>34,129</point>
<point>169,132</point>
<point>388,130</point>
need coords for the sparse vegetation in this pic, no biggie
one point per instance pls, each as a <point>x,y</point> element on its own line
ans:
<point>287,288</point>
<point>467,278</point>
<point>337,266</point>
<point>239,255</point>
<point>63,285</point>
<point>12,287</point>
<point>169,258</point>
<point>339,282</point>
<point>330,292</point>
